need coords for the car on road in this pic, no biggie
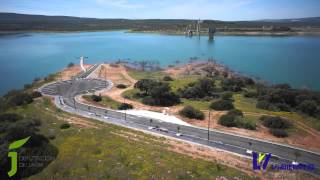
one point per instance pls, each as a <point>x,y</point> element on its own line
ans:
<point>150,127</point>
<point>248,151</point>
<point>178,134</point>
<point>163,130</point>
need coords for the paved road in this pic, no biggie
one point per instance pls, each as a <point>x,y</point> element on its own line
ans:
<point>66,91</point>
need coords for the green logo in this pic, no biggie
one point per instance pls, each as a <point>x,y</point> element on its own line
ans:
<point>14,155</point>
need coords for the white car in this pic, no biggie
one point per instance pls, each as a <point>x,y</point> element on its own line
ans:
<point>150,127</point>
<point>178,134</point>
<point>248,151</point>
<point>295,163</point>
<point>106,117</point>
<point>220,142</point>
<point>91,113</point>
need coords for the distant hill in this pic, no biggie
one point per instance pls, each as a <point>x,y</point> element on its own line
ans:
<point>24,22</point>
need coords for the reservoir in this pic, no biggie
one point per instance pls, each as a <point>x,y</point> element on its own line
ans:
<point>292,59</point>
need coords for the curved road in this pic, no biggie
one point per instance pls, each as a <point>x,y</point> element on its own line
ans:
<point>66,91</point>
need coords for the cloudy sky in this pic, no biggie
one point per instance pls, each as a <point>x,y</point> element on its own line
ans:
<point>168,9</point>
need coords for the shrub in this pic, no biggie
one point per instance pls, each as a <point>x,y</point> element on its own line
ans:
<point>71,64</point>
<point>228,120</point>
<point>124,106</point>
<point>222,105</point>
<point>191,112</point>
<point>121,86</point>
<point>167,78</point>
<point>280,133</point>
<point>96,98</point>
<point>275,122</point>
<point>235,112</point>
<point>36,94</point>
<point>65,126</point>
<point>234,118</point>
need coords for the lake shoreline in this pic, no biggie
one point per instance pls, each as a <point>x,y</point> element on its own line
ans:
<point>231,33</point>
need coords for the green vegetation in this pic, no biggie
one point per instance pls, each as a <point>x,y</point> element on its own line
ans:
<point>249,105</point>
<point>16,126</point>
<point>235,118</point>
<point>277,125</point>
<point>147,74</point>
<point>182,82</point>
<point>125,106</point>
<point>96,98</point>
<point>275,122</point>
<point>167,78</point>
<point>192,113</point>
<point>65,126</point>
<point>121,86</point>
<point>156,93</point>
<point>132,94</point>
<point>222,105</point>
<point>283,98</point>
<point>105,101</point>
<point>199,89</point>
<point>198,104</point>
<point>22,22</point>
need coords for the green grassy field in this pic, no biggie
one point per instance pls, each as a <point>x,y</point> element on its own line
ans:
<point>106,102</point>
<point>113,152</point>
<point>147,74</point>
<point>182,82</point>
<point>201,105</point>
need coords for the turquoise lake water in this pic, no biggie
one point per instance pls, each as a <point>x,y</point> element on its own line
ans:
<point>294,60</point>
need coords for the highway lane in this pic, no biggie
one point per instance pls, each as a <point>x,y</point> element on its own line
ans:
<point>65,93</point>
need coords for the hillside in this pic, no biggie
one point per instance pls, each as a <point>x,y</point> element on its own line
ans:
<point>24,22</point>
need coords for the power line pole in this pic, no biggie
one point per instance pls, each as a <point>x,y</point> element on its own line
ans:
<point>125,111</point>
<point>209,125</point>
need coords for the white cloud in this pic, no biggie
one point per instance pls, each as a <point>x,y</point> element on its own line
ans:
<point>121,4</point>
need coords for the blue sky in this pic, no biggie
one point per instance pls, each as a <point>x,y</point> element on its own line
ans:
<point>168,9</point>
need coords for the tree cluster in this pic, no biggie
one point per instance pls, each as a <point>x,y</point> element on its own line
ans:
<point>283,98</point>
<point>235,84</point>
<point>199,89</point>
<point>156,93</point>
